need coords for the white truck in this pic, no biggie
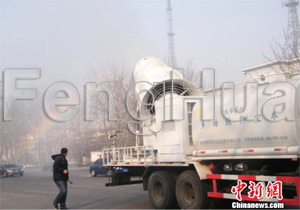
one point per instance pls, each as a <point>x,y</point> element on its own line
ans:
<point>186,161</point>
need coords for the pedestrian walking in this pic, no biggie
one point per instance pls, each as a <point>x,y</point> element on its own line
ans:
<point>60,177</point>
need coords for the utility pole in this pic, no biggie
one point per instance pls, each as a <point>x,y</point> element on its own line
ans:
<point>293,31</point>
<point>171,48</point>
<point>36,136</point>
<point>37,145</point>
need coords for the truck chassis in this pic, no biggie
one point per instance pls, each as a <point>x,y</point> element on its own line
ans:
<point>197,183</point>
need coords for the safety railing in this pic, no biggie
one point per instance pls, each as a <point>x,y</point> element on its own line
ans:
<point>129,155</point>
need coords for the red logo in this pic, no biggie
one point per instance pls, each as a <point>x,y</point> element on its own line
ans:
<point>257,190</point>
<point>274,190</point>
<point>238,189</point>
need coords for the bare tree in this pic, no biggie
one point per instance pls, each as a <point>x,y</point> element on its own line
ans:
<point>286,54</point>
<point>192,74</point>
<point>118,87</point>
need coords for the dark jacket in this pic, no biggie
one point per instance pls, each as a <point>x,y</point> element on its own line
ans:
<point>60,164</point>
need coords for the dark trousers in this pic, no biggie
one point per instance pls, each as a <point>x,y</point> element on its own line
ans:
<point>62,195</point>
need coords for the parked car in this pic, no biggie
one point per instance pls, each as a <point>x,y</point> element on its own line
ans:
<point>5,172</point>
<point>97,168</point>
<point>13,169</point>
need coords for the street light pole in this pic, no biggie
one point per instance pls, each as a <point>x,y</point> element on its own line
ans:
<point>2,143</point>
<point>37,141</point>
<point>37,145</point>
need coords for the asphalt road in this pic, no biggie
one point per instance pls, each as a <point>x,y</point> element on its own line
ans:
<point>36,190</point>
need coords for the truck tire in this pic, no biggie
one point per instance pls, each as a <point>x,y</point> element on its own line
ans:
<point>161,190</point>
<point>191,192</point>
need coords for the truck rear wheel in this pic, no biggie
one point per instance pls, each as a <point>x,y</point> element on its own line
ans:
<point>161,189</point>
<point>191,192</point>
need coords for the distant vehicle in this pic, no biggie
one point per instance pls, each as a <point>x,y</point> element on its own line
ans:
<point>73,164</point>
<point>97,168</point>
<point>47,166</point>
<point>30,166</point>
<point>13,169</point>
<point>5,172</point>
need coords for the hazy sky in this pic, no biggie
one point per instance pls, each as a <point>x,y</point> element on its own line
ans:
<point>66,39</point>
